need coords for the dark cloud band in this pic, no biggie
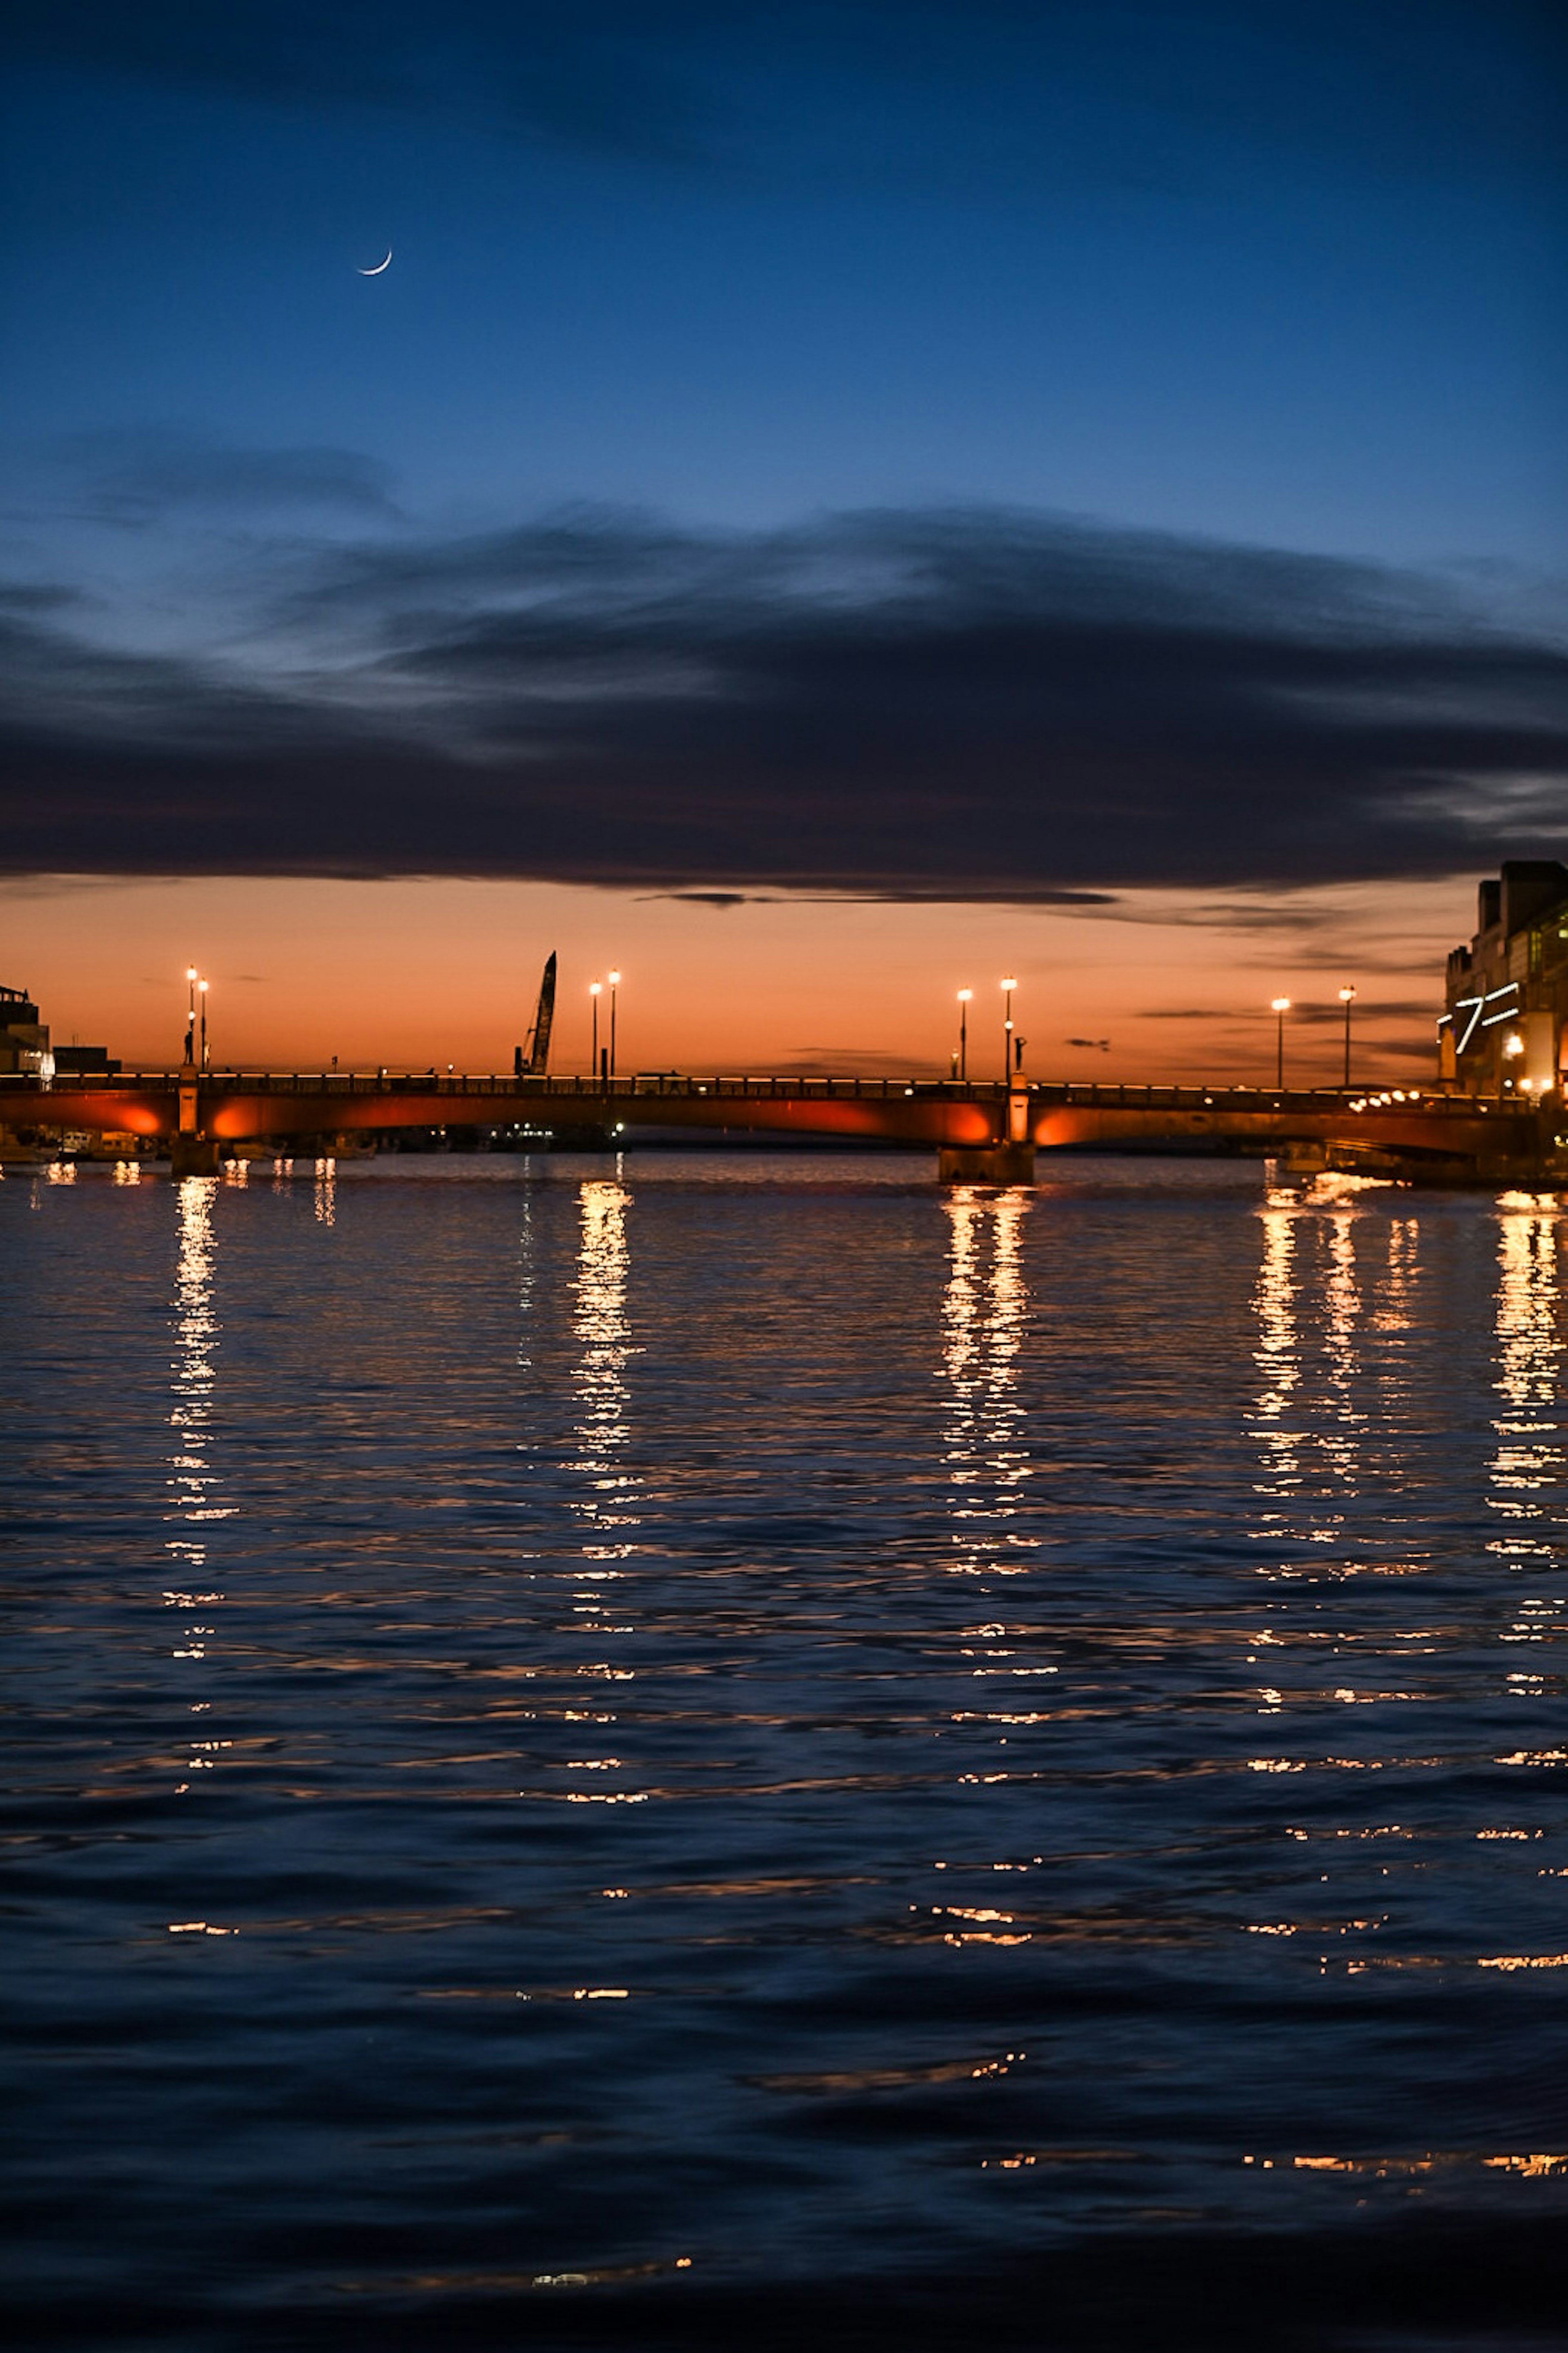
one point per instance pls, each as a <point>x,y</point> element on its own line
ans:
<point>925,703</point>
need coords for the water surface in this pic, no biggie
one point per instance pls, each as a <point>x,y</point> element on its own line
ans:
<point>605,1746</point>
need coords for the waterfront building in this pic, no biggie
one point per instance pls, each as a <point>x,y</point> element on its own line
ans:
<point>1505,1029</point>
<point>24,1040</point>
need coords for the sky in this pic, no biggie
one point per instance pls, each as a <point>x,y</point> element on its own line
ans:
<point>822,507</point>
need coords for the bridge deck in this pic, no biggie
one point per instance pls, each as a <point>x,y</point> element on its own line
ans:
<point>234,1106</point>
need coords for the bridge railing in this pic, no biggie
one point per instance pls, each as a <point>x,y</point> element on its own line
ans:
<point>484,1085</point>
<point>495,1087</point>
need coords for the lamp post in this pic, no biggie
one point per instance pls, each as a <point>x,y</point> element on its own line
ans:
<point>202,986</point>
<point>1279,1006</point>
<point>1008,986</point>
<point>594,991</point>
<point>963,996</point>
<point>1347,998</point>
<point>191,1016</point>
<point>615,984</point>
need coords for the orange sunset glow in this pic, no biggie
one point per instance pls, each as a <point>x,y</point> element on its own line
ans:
<point>415,973</point>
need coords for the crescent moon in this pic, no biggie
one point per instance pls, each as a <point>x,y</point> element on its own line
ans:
<point>379,267</point>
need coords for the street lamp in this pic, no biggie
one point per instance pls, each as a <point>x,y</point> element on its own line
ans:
<point>615,983</point>
<point>1279,1006</point>
<point>1008,986</point>
<point>964,996</point>
<point>594,991</point>
<point>203,987</point>
<point>191,1016</point>
<point>1347,998</point>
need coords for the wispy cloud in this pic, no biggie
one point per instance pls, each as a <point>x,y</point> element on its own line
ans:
<point>1131,91</point>
<point>36,596</point>
<point>138,476</point>
<point>599,78</point>
<point>716,899</point>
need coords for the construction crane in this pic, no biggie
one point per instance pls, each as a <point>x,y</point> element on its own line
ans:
<point>534,1054</point>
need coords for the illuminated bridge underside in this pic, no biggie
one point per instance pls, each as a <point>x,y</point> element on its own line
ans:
<point>1436,1130</point>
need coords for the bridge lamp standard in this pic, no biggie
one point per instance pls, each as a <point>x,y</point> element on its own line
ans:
<point>1280,1007</point>
<point>1347,998</point>
<point>965,997</point>
<point>615,984</point>
<point>1008,985</point>
<point>201,987</point>
<point>594,991</point>
<point>191,1016</point>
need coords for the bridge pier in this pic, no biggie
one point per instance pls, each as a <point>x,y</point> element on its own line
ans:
<point>191,1152</point>
<point>194,1155</point>
<point>985,1164</point>
<point>1009,1161</point>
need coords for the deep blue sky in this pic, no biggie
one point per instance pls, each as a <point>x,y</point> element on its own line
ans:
<point>1096,301</point>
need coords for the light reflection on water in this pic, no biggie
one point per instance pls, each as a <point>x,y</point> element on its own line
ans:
<point>785,1721</point>
<point>604,1336</point>
<point>1342,1305</point>
<point>193,1483</point>
<point>1529,1460</point>
<point>1528,1467</point>
<point>606,1502</point>
<point>983,1318</point>
<point>1275,1299</point>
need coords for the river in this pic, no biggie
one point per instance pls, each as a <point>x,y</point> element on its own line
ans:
<point>709,1746</point>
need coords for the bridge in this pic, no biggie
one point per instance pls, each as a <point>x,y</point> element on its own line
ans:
<point>981,1132</point>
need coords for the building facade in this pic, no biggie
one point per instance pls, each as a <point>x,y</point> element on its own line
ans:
<point>24,1040</point>
<point>1505,1029</point>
